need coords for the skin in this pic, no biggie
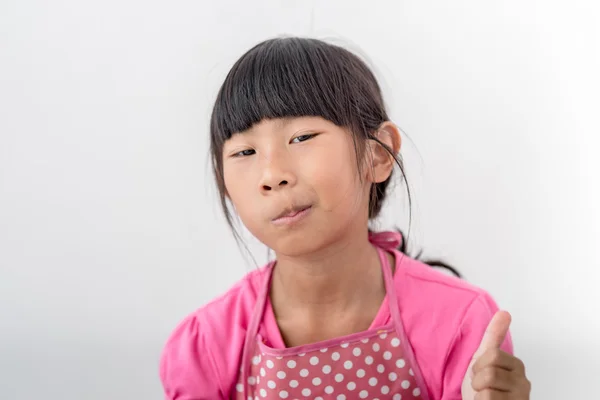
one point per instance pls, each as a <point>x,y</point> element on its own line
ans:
<point>326,267</point>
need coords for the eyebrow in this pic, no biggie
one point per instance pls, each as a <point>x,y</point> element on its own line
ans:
<point>284,122</point>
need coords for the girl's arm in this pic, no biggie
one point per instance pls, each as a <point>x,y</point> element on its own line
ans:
<point>465,343</point>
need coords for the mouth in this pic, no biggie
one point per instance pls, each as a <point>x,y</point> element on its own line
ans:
<point>293,214</point>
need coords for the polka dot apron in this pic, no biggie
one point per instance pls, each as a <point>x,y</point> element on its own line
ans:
<point>375,364</point>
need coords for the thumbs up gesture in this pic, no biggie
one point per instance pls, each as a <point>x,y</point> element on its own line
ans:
<point>494,374</point>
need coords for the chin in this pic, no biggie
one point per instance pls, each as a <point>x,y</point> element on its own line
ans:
<point>300,243</point>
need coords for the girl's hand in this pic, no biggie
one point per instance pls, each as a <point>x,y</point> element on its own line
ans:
<point>494,374</point>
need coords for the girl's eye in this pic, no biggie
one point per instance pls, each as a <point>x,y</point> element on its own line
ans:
<point>303,138</point>
<point>244,153</point>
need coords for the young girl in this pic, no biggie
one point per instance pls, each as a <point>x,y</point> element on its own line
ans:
<point>303,151</point>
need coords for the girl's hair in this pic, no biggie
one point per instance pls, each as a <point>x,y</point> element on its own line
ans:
<point>297,77</point>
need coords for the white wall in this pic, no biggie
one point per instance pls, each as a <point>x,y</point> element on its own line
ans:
<point>109,226</point>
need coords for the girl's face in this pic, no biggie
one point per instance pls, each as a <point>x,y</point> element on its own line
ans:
<point>295,183</point>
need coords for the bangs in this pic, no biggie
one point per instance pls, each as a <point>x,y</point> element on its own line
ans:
<point>295,77</point>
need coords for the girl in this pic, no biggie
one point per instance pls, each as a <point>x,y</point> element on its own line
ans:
<point>303,150</point>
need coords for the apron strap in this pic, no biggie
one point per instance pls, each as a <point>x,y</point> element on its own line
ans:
<point>389,242</point>
<point>257,313</point>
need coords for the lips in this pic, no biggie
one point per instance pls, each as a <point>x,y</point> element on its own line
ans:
<point>291,212</point>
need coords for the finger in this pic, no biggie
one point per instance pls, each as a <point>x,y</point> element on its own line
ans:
<point>491,394</point>
<point>499,359</point>
<point>495,333</point>
<point>494,378</point>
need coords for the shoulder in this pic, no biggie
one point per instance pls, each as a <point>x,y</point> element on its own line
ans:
<point>445,318</point>
<point>433,290</point>
<point>201,356</point>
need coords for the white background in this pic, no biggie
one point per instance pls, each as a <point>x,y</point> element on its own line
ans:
<point>110,231</point>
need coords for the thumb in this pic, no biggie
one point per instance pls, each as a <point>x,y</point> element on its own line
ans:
<point>495,333</point>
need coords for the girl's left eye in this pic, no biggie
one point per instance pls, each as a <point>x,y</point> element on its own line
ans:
<point>303,138</point>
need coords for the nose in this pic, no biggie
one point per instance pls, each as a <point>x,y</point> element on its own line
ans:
<point>277,174</point>
<point>266,188</point>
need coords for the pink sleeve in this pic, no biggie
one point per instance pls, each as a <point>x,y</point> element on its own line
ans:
<point>187,368</point>
<point>466,341</point>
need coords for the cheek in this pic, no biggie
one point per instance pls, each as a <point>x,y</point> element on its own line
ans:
<point>238,188</point>
<point>335,176</point>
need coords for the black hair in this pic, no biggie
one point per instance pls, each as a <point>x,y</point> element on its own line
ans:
<point>297,77</point>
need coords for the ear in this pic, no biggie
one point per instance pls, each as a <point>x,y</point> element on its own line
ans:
<point>381,161</point>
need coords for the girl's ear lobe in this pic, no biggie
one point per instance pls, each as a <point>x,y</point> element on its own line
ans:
<point>382,162</point>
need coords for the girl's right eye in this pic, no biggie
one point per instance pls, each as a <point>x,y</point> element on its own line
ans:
<point>244,153</point>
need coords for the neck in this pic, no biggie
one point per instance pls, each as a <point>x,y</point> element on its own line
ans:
<point>333,279</point>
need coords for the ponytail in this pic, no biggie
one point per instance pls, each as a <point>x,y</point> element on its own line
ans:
<point>403,248</point>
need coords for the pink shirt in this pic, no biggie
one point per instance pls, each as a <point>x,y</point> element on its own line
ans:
<point>444,319</point>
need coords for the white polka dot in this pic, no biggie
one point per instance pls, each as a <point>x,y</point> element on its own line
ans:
<point>339,378</point>
<point>326,369</point>
<point>405,384</point>
<point>306,392</point>
<point>239,387</point>
<point>263,372</point>
<point>255,360</point>
<point>365,340</point>
<point>318,398</point>
<point>348,364</point>
<point>301,354</point>
<point>329,389</point>
<point>281,375</point>
<point>351,385</point>
<point>335,356</point>
<point>410,372</point>
<point>341,397</point>
<point>294,383</point>
<point>369,360</point>
<point>291,364</point>
<point>344,345</point>
<point>323,350</point>
<point>385,390</point>
<point>250,398</point>
<point>416,392</point>
<point>383,335</point>
<point>387,355</point>
<point>257,380</point>
<point>263,392</point>
<point>380,369</point>
<point>376,347</point>
<point>356,351</point>
<point>271,385</point>
<point>373,381</point>
<point>363,394</point>
<point>270,364</point>
<point>360,373</point>
<point>304,373</point>
<point>279,358</point>
<point>393,376</point>
<point>316,381</point>
<point>283,394</point>
<point>314,360</point>
<point>400,363</point>
<point>251,380</point>
<point>397,397</point>
<point>395,342</point>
